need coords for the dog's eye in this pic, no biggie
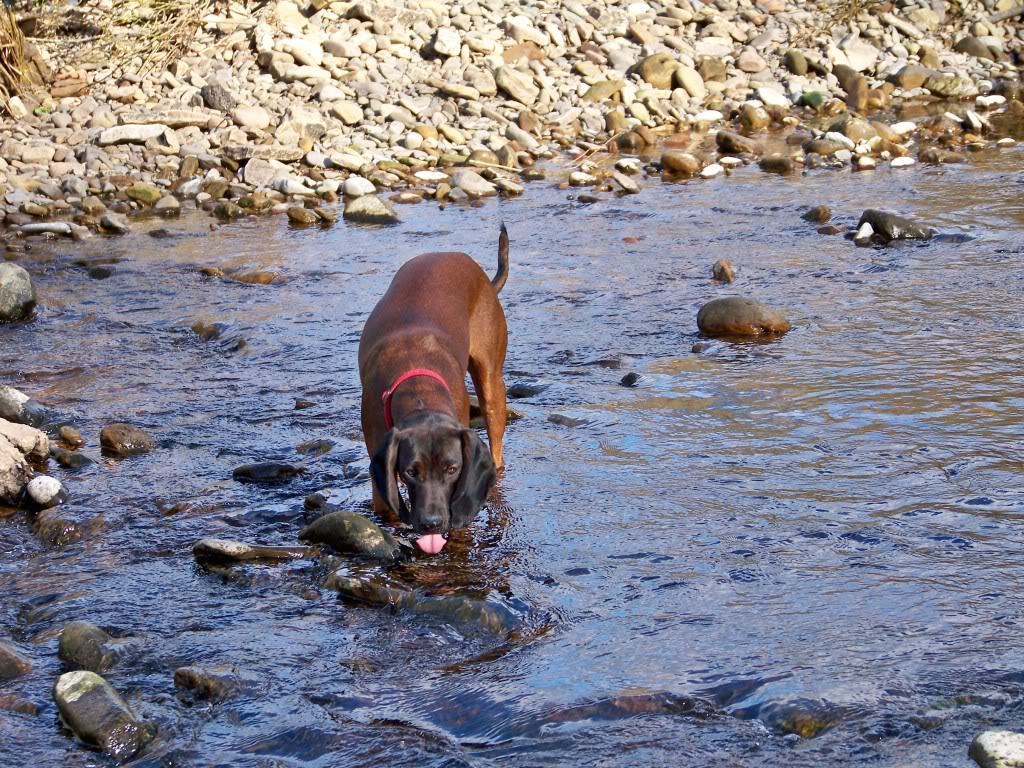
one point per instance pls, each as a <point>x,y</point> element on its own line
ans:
<point>451,469</point>
<point>411,473</point>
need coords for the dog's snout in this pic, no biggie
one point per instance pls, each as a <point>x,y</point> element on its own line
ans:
<point>431,522</point>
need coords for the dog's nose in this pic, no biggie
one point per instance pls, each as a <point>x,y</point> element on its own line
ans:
<point>431,523</point>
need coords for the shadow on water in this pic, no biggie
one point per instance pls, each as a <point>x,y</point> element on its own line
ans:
<point>804,551</point>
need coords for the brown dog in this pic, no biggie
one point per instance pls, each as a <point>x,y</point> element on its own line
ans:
<point>439,318</point>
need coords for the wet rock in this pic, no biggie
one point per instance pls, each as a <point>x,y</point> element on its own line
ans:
<point>46,491</point>
<point>228,551</point>
<point>211,683</point>
<point>57,528</point>
<point>472,183</point>
<point>19,444</point>
<point>69,459</point>
<point>97,714</point>
<point>730,143</point>
<point>739,316</point>
<point>83,645</point>
<point>18,407</point>
<point>754,118</point>
<point>266,472</point>
<point>521,390</point>
<point>12,662</point>
<point>700,346</point>
<point>459,609</point>
<point>17,296</point>
<point>70,436</point>
<point>116,225</point>
<point>12,702</point>
<point>370,209</point>
<point>302,216</point>
<point>780,164</point>
<point>352,533</point>
<point>723,271</point>
<point>680,163</point>
<point>818,214</point>
<point>998,749</point>
<point>370,591</point>
<point>315,447</point>
<point>940,156</point>
<point>630,380</point>
<point>890,226</point>
<point>125,440</point>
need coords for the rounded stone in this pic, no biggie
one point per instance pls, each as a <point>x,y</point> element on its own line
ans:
<point>740,316</point>
<point>17,296</point>
<point>125,440</point>
<point>46,491</point>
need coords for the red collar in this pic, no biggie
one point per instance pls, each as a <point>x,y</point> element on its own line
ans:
<point>386,398</point>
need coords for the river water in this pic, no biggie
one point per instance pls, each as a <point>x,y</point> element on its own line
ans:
<point>800,552</point>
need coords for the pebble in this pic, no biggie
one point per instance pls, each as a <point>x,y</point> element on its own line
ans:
<point>302,216</point>
<point>902,162</point>
<point>356,186</point>
<point>712,170</point>
<point>97,714</point>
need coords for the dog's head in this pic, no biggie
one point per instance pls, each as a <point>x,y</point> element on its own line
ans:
<point>446,468</point>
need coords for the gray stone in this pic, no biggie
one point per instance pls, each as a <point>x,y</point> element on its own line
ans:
<point>260,173</point>
<point>95,712</point>
<point>216,96</point>
<point>890,226</point>
<point>998,749</point>
<point>370,209</point>
<point>352,533</point>
<point>518,85</point>
<point>114,223</point>
<point>17,296</point>
<point>46,491</point>
<point>130,134</point>
<point>472,183</point>
<point>12,662</point>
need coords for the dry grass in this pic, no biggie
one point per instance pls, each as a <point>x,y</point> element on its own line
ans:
<point>12,58</point>
<point>155,31</point>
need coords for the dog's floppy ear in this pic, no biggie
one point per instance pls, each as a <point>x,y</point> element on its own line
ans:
<point>478,475</point>
<point>383,468</point>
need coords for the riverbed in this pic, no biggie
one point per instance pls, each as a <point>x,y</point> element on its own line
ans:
<point>802,551</point>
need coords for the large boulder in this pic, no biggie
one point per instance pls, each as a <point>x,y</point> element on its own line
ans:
<point>998,749</point>
<point>739,316</point>
<point>97,714</point>
<point>17,296</point>
<point>889,226</point>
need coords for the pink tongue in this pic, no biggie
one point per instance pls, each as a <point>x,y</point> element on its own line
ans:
<point>432,543</point>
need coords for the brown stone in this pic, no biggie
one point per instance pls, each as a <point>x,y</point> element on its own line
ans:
<point>739,316</point>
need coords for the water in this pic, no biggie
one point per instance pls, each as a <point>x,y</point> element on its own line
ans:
<point>818,535</point>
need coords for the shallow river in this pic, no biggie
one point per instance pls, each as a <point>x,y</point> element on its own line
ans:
<point>821,535</point>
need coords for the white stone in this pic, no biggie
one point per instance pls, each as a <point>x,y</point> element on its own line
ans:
<point>581,179</point>
<point>1006,141</point>
<point>771,97</point>
<point>447,42</point>
<point>628,165</point>
<point>998,749</point>
<point>260,173</point>
<point>708,116</point>
<point>902,162</point>
<point>472,183</point>
<point>865,163</point>
<point>691,81</point>
<point>357,186</point>
<point>712,170</point>
<point>130,134</point>
<point>45,491</point>
<point>287,185</point>
<point>348,112</point>
<point>303,50</point>
<point>866,232</point>
<point>431,177</point>
<point>253,117</point>
<point>903,128</point>
<point>346,161</point>
<point>729,161</point>
<point>992,100</point>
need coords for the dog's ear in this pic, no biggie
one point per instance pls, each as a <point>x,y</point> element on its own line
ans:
<point>383,469</point>
<point>478,475</point>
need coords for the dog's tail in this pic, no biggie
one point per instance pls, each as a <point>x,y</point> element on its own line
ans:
<point>502,274</point>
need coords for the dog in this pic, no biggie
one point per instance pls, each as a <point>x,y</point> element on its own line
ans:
<point>439,319</point>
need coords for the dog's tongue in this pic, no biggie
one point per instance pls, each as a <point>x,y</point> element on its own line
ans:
<point>432,543</point>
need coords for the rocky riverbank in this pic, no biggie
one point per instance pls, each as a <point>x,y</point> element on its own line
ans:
<point>292,106</point>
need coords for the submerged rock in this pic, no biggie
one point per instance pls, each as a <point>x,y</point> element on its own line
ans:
<point>998,749</point>
<point>266,472</point>
<point>125,440</point>
<point>723,271</point>
<point>349,532</point>
<point>819,214</point>
<point>889,226</point>
<point>83,645</point>
<point>213,683</point>
<point>97,714</point>
<point>739,316</point>
<point>17,296</point>
<point>456,609</point>
<point>12,663</point>
<point>226,550</point>
<point>370,209</point>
